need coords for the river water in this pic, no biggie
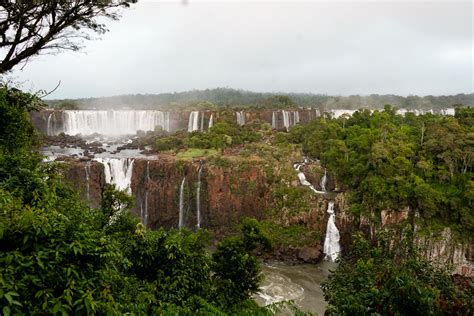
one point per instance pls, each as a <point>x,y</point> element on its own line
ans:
<point>300,283</point>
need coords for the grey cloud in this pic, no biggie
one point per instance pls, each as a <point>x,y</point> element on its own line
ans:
<point>321,47</point>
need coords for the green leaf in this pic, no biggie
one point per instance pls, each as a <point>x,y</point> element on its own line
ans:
<point>6,311</point>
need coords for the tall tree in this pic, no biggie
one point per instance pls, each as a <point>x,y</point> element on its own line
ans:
<point>29,28</point>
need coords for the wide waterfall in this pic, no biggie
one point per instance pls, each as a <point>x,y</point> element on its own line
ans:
<point>331,242</point>
<point>198,198</point>
<point>290,119</point>
<point>193,122</point>
<point>111,123</point>
<point>181,204</point>
<point>118,171</point>
<point>240,117</point>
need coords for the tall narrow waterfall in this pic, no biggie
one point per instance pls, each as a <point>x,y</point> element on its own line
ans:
<point>181,204</point>
<point>50,125</point>
<point>145,215</point>
<point>193,122</point>
<point>240,117</point>
<point>331,242</point>
<point>198,198</point>
<point>274,120</point>
<point>211,121</point>
<point>87,169</point>
<point>118,171</point>
<point>324,181</point>
<point>113,123</point>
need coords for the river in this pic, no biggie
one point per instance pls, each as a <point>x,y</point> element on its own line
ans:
<point>300,283</point>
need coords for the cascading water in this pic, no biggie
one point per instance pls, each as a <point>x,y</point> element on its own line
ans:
<point>50,125</point>
<point>202,122</point>
<point>193,122</point>
<point>87,169</point>
<point>240,117</point>
<point>331,242</point>
<point>145,214</point>
<point>181,204</point>
<point>118,171</point>
<point>113,123</point>
<point>286,119</point>
<point>198,198</point>
<point>302,178</point>
<point>211,121</point>
<point>274,120</point>
<point>324,180</point>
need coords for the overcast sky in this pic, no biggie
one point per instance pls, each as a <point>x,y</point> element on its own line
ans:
<point>338,48</point>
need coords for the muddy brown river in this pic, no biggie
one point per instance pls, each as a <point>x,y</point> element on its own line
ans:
<point>299,283</point>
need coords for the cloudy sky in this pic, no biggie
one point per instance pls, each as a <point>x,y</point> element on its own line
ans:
<point>341,48</point>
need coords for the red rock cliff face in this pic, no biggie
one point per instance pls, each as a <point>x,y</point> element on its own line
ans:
<point>226,194</point>
<point>87,177</point>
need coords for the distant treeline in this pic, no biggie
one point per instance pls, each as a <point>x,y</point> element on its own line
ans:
<point>220,97</point>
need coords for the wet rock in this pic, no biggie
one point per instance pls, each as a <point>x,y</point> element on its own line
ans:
<point>310,254</point>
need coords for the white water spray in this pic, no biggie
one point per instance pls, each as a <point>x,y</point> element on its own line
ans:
<point>193,122</point>
<point>331,242</point>
<point>240,117</point>
<point>211,121</point>
<point>118,171</point>
<point>113,123</point>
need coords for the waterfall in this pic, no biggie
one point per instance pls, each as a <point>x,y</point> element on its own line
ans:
<point>145,217</point>
<point>198,198</point>
<point>331,242</point>
<point>240,117</point>
<point>50,125</point>
<point>211,121</point>
<point>87,169</point>
<point>302,178</point>
<point>296,117</point>
<point>113,123</point>
<point>193,121</point>
<point>324,181</point>
<point>181,204</point>
<point>286,119</point>
<point>118,171</point>
<point>274,120</point>
<point>202,122</point>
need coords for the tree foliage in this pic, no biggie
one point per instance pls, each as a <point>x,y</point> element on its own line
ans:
<point>389,161</point>
<point>59,256</point>
<point>392,279</point>
<point>28,28</point>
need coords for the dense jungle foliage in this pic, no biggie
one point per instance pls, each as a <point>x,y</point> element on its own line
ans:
<point>59,256</point>
<point>222,97</point>
<point>388,161</point>
<point>394,280</point>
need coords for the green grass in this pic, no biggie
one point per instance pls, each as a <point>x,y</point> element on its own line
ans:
<point>196,153</point>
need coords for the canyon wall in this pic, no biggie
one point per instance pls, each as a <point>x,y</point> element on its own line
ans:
<point>234,190</point>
